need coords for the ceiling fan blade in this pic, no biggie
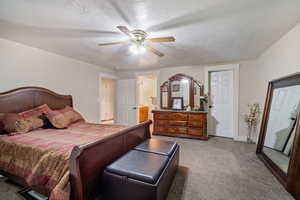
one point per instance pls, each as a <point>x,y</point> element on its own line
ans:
<point>113,43</point>
<point>162,39</point>
<point>154,50</point>
<point>125,30</point>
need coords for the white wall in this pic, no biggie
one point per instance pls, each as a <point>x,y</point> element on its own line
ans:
<point>197,72</point>
<point>281,59</point>
<point>21,65</point>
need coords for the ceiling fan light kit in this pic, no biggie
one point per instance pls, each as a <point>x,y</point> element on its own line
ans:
<point>137,49</point>
<point>138,39</point>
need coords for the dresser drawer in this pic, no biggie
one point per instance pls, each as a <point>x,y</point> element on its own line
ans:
<point>174,130</point>
<point>177,123</point>
<point>172,116</point>
<point>195,117</point>
<point>161,122</point>
<point>177,130</point>
<point>195,131</point>
<point>161,129</point>
<point>162,116</point>
<point>196,124</point>
<point>178,116</point>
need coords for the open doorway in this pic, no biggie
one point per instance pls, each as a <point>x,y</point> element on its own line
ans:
<point>107,107</point>
<point>147,96</point>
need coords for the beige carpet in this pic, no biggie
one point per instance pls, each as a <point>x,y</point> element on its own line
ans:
<point>218,169</point>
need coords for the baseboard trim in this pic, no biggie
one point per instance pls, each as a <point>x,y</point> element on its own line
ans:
<point>241,138</point>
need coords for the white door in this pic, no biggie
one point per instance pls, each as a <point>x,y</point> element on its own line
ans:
<point>107,98</point>
<point>126,112</point>
<point>220,122</point>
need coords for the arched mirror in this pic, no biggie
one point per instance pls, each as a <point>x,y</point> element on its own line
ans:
<point>180,92</point>
<point>181,89</point>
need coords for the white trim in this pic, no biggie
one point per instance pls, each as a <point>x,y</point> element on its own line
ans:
<point>236,76</point>
<point>241,138</point>
<point>145,73</point>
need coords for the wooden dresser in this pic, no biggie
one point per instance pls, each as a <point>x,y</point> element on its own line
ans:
<point>187,124</point>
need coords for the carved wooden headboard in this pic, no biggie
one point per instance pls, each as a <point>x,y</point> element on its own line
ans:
<point>26,98</point>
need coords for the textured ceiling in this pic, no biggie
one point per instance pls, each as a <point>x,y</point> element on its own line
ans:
<point>206,31</point>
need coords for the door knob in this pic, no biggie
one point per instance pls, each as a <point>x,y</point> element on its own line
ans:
<point>210,106</point>
<point>134,108</point>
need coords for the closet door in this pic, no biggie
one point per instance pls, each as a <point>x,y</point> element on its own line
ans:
<point>221,96</point>
<point>126,102</point>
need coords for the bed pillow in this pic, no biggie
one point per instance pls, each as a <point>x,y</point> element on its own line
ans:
<point>24,125</point>
<point>17,123</point>
<point>64,117</point>
<point>35,112</point>
<point>9,121</point>
<point>38,112</point>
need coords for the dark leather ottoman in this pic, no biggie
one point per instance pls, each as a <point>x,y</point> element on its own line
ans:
<point>157,146</point>
<point>144,173</point>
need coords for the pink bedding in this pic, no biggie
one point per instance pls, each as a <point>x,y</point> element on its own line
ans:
<point>41,156</point>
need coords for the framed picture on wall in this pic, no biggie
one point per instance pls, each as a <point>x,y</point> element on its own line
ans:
<point>177,103</point>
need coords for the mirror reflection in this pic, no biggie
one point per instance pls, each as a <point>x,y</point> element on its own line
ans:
<point>164,96</point>
<point>181,88</point>
<point>281,126</point>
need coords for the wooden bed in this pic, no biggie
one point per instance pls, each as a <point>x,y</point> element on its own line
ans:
<point>87,161</point>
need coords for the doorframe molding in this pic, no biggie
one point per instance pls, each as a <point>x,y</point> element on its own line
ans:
<point>145,73</point>
<point>236,84</point>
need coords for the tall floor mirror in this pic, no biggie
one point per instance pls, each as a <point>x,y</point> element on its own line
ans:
<point>279,141</point>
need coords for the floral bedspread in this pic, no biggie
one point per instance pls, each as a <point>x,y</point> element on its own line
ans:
<point>41,156</point>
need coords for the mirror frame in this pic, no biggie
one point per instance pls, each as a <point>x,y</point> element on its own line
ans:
<point>291,179</point>
<point>179,77</point>
<point>165,84</point>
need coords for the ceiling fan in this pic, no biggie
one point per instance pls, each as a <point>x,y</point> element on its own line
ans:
<point>140,42</point>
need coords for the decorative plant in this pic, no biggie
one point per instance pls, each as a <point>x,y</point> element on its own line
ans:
<point>252,119</point>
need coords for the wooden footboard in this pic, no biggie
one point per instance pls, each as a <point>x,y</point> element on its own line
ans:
<point>88,161</point>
